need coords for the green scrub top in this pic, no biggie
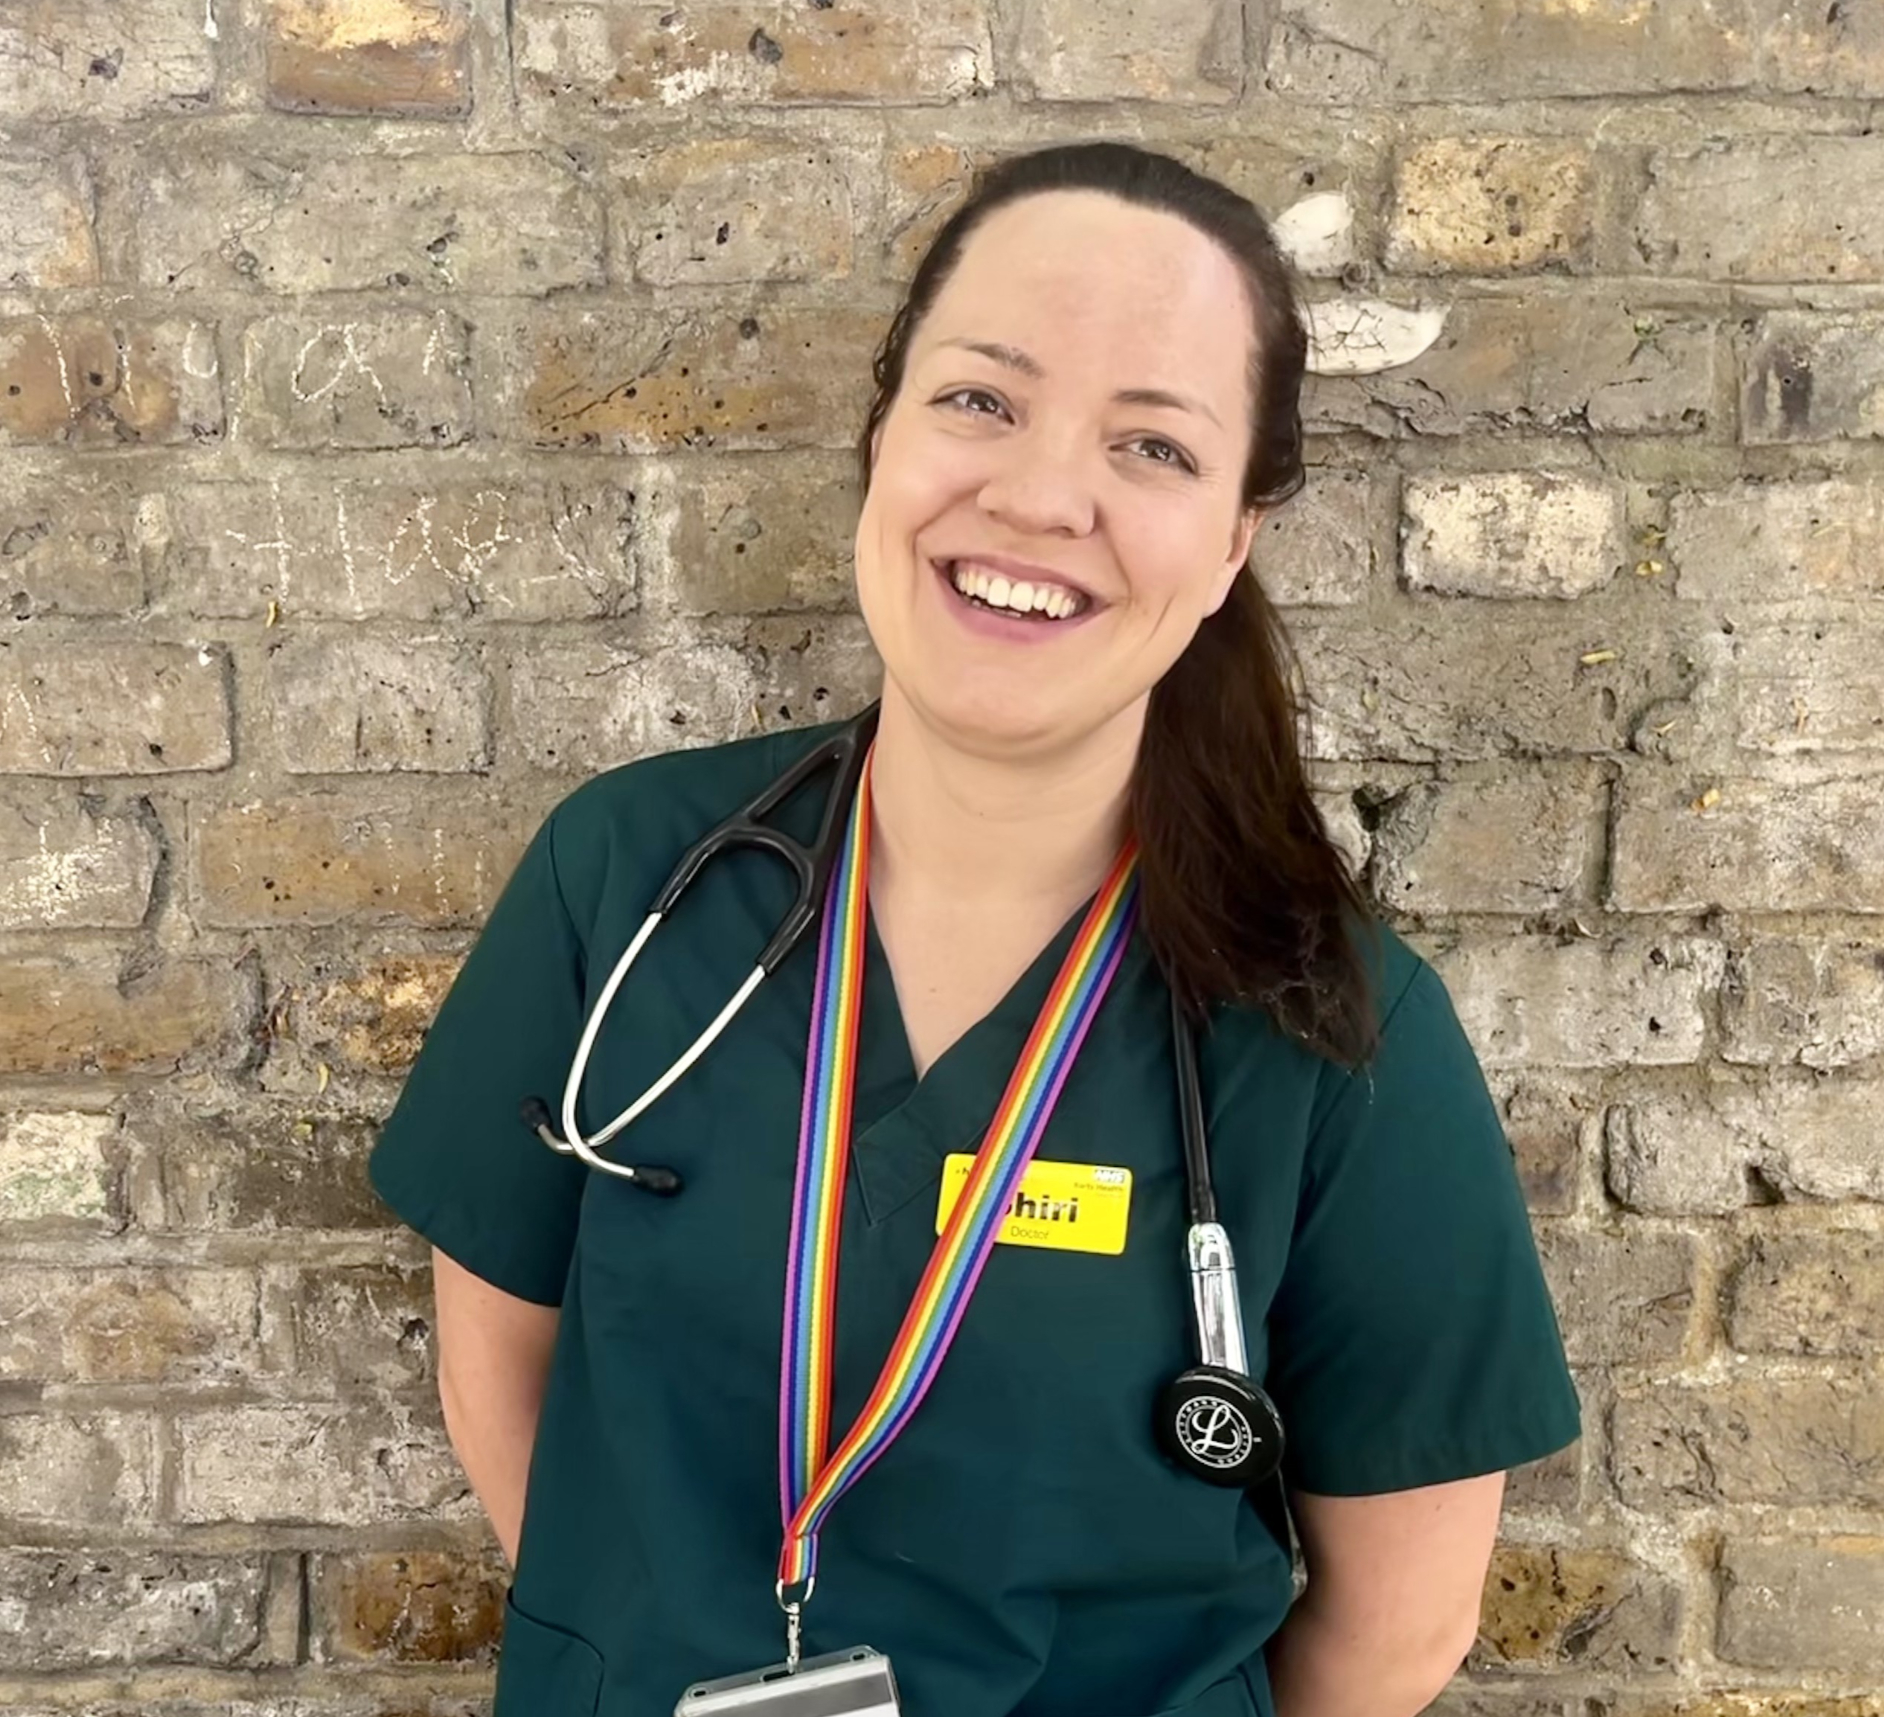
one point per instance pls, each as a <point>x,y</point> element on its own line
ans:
<point>1023,1547</point>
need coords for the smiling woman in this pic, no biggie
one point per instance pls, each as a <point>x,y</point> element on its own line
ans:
<point>1086,947</point>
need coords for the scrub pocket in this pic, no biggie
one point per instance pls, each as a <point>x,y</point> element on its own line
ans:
<point>543,1671</point>
<point>1230,1697</point>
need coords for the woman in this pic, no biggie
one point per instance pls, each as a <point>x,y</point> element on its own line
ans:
<point>1084,408</point>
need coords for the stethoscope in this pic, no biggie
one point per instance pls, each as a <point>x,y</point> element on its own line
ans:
<point>1213,1420</point>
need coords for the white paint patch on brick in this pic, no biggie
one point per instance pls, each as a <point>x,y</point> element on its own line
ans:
<point>1514,533</point>
<point>53,1166</point>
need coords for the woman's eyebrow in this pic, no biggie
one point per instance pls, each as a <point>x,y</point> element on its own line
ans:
<point>1013,358</point>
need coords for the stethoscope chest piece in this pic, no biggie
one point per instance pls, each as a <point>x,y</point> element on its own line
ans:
<point>1220,1427</point>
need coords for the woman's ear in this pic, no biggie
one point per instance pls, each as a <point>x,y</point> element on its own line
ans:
<point>1246,525</point>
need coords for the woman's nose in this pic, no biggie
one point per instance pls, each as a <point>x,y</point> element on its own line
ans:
<point>1040,483</point>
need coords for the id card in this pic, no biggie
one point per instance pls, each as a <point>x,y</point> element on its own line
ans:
<point>854,1683</point>
<point>1068,1207</point>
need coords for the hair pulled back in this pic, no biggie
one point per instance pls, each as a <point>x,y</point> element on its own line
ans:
<point>1244,898</point>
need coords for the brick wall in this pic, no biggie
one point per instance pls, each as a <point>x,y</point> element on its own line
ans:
<point>408,406</point>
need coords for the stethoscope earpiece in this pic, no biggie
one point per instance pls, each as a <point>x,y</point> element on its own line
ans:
<point>1220,1427</point>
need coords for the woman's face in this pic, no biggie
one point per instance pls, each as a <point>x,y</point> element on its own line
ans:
<point>1024,462</point>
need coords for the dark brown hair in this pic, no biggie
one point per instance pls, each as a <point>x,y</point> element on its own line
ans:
<point>1243,897</point>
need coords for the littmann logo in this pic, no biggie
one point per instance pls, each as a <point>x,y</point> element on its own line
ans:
<point>1214,1432</point>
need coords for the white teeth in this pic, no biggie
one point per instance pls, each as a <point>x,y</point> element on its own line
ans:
<point>1018,596</point>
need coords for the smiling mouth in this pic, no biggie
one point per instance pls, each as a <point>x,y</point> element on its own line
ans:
<point>1017,598</point>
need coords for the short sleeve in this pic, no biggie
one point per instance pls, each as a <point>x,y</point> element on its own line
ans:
<point>455,1160</point>
<point>1412,1338</point>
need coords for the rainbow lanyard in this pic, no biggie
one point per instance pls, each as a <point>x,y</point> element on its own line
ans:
<point>809,1485</point>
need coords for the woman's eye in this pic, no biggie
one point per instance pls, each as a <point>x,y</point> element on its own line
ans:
<point>968,393</point>
<point>1179,460</point>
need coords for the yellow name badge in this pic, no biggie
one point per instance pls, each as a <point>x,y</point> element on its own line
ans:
<point>1069,1207</point>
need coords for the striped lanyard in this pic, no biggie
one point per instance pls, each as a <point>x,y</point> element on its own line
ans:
<point>809,1484</point>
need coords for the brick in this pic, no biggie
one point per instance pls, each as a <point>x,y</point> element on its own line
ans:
<point>1684,844</point>
<point>1463,1699</point>
<point>68,544</point>
<point>1798,1442</point>
<point>75,860</point>
<point>1554,1483</point>
<point>1510,533</point>
<point>241,1170</point>
<point>370,1014</point>
<point>1728,1703</point>
<point>725,211</point>
<point>1437,684</point>
<point>755,535</point>
<point>112,709</point>
<point>1597,1003</point>
<point>923,184</point>
<point>396,378</point>
<point>1545,1117</point>
<point>83,1609</point>
<point>1623,1297</point>
<point>67,1469</point>
<point>628,55</point>
<point>364,1327</point>
<point>641,381</point>
<point>1790,688</point>
<point>514,550</point>
<point>1351,838</point>
<point>45,222</point>
<point>591,706</point>
<point>99,1012</point>
<point>512,223</point>
<point>1794,203</point>
<point>386,56</point>
<point>59,1170</point>
<point>340,1464</point>
<point>412,1606</point>
<point>1543,362</point>
<point>1838,52</point>
<point>1713,1152</point>
<point>86,381</point>
<point>1811,377</point>
<point>812,671</point>
<point>1499,843</point>
<point>1819,1004</point>
<point>1492,205</point>
<point>322,860</point>
<point>1764,542</point>
<point>1812,1605</point>
<point>1172,51</point>
<point>373,704</point>
<point>97,59</point>
<point>1320,550</point>
<point>1590,1610</point>
<point>1814,1293</point>
<point>127,1326</point>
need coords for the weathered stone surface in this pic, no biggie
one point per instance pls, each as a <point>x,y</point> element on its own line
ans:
<point>812,671</point>
<point>589,707</point>
<point>127,1326</point>
<point>1555,1482</point>
<point>1709,1154</point>
<point>396,378</point>
<point>76,1609</point>
<point>1594,1610</point>
<point>84,381</point>
<point>415,1606</point>
<point>1492,205</point>
<point>1684,844</point>
<point>1464,1699</point>
<point>363,1327</point>
<point>1798,1442</point>
<point>112,709</point>
<point>1787,688</point>
<point>1820,1004</point>
<point>96,1012</point>
<point>1545,1117</point>
<point>384,56</point>
<point>321,860</point>
<point>283,221</point>
<point>1813,1605</point>
<point>1545,362</point>
<point>1810,377</point>
<point>1595,1003</point>
<point>1510,533</point>
<point>66,544</point>
<point>509,550</point>
<point>45,222</point>
<point>68,1469</point>
<point>370,704</point>
<point>1728,1703</point>
<point>621,56</point>
<point>923,184</point>
<point>96,59</point>
<point>74,860</point>
<point>1795,203</point>
<point>727,210</point>
<point>58,1170</point>
<point>1490,843</point>
<point>1172,51</point>
<point>644,381</point>
<point>1812,1292</point>
<point>1623,1297</point>
<point>347,1464</point>
<point>1321,549</point>
<point>1775,541</point>
<point>370,1015</point>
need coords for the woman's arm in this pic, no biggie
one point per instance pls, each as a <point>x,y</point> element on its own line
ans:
<point>493,1363</point>
<point>1395,1583</point>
